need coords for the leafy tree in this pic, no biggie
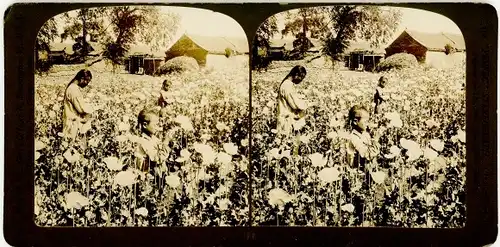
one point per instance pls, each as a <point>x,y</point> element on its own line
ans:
<point>116,28</point>
<point>448,49</point>
<point>350,22</point>
<point>301,44</point>
<point>136,24</point>
<point>46,34</point>
<point>82,25</point>
<point>304,21</point>
<point>261,45</point>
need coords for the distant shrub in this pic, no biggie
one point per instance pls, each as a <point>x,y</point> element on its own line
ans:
<point>228,52</point>
<point>448,49</point>
<point>397,61</point>
<point>260,59</point>
<point>43,66</point>
<point>178,65</point>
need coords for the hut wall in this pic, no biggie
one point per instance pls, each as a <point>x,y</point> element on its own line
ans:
<point>186,47</point>
<point>347,60</point>
<point>199,55</point>
<point>135,64</point>
<point>371,61</point>
<point>151,65</point>
<point>58,57</point>
<point>406,44</point>
<point>355,60</point>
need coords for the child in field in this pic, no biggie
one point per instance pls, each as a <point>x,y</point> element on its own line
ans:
<point>380,97</point>
<point>361,149</point>
<point>146,155</point>
<point>76,111</point>
<point>163,100</point>
<point>291,107</point>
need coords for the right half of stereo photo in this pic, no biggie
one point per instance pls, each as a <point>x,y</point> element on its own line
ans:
<point>358,119</point>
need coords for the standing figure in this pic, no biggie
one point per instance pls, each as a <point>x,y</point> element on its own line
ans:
<point>379,96</point>
<point>76,112</point>
<point>164,98</point>
<point>146,155</point>
<point>361,148</point>
<point>291,107</point>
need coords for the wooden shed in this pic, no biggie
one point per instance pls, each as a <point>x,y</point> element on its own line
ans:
<point>424,45</point>
<point>152,64</point>
<point>198,47</point>
<point>277,52</point>
<point>142,60</point>
<point>361,56</point>
<point>59,52</point>
<point>62,52</point>
<point>280,47</point>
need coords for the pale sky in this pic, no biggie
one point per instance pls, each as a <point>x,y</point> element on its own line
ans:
<point>426,21</point>
<point>206,22</point>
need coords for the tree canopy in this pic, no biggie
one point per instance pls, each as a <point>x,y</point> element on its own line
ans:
<point>261,43</point>
<point>113,28</point>
<point>336,26</point>
<point>351,22</point>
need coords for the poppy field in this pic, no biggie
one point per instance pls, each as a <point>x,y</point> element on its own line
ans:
<point>417,180</point>
<point>201,179</point>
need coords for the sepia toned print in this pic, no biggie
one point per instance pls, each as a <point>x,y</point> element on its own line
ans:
<point>358,119</point>
<point>141,119</point>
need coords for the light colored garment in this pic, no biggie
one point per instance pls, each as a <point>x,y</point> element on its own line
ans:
<point>164,98</point>
<point>380,92</point>
<point>291,107</point>
<point>361,144</point>
<point>380,99</point>
<point>146,151</point>
<point>74,111</point>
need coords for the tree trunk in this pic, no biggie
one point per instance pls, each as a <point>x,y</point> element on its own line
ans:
<point>84,35</point>
<point>304,23</point>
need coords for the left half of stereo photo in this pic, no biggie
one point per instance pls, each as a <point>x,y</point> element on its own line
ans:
<point>141,118</point>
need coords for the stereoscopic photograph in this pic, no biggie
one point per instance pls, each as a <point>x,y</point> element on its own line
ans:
<point>358,119</point>
<point>141,118</point>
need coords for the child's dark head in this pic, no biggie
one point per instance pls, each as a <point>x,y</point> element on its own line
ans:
<point>166,85</point>
<point>358,118</point>
<point>147,121</point>
<point>383,81</point>
<point>298,73</point>
<point>83,77</point>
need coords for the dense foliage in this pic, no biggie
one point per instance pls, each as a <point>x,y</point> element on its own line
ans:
<point>397,61</point>
<point>179,65</point>
<point>351,22</point>
<point>261,43</point>
<point>201,180</point>
<point>418,179</point>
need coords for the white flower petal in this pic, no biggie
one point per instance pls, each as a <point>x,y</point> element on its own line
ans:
<point>125,178</point>
<point>438,145</point>
<point>348,207</point>
<point>378,177</point>
<point>141,211</point>
<point>329,174</point>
